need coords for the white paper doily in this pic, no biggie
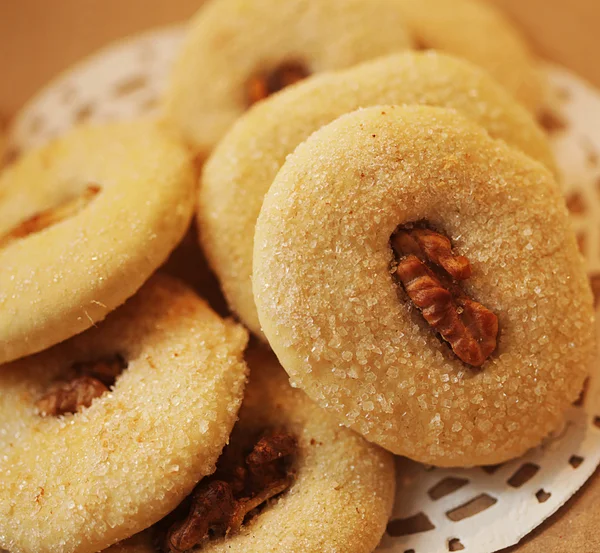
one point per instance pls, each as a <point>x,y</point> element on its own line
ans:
<point>477,510</point>
<point>120,82</point>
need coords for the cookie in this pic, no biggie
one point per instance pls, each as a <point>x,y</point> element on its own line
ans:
<point>81,470</point>
<point>238,52</point>
<point>240,171</point>
<point>479,32</point>
<point>290,480</point>
<point>121,82</point>
<point>188,263</point>
<point>421,281</point>
<point>84,222</point>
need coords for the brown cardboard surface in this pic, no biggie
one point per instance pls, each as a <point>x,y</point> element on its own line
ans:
<point>573,529</point>
<point>39,38</point>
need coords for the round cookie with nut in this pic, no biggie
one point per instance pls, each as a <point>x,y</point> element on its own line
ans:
<point>291,479</point>
<point>106,433</point>
<point>238,53</point>
<point>241,169</point>
<point>421,281</point>
<point>479,32</point>
<point>84,222</point>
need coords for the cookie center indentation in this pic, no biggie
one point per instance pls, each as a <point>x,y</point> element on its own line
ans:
<point>84,382</point>
<point>264,83</point>
<point>241,486</point>
<point>51,216</point>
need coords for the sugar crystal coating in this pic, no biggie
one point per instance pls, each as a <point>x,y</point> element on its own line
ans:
<point>240,171</point>
<point>344,488</point>
<point>82,482</point>
<point>61,280</point>
<point>481,33</point>
<point>231,41</point>
<point>346,334</point>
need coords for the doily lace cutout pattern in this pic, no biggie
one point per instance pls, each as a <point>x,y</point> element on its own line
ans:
<point>120,82</point>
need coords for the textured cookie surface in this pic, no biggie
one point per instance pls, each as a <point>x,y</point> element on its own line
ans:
<point>84,222</point>
<point>232,41</point>
<point>346,331</point>
<point>479,32</point>
<point>343,489</point>
<point>81,482</point>
<point>241,169</point>
<point>342,493</point>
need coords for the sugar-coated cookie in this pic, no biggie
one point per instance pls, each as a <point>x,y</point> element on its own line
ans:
<point>241,169</point>
<point>238,52</point>
<point>328,489</point>
<point>479,32</point>
<point>421,281</point>
<point>84,221</point>
<point>80,470</point>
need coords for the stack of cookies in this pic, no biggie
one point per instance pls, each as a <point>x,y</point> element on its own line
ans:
<point>386,223</point>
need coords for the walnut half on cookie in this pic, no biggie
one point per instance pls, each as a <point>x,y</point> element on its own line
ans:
<point>366,316</point>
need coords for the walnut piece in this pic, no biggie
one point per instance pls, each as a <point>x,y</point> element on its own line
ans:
<point>470,329</point>
<point>551,121</point>
<point>247,504</point>
<point>265,462</point>
<point>433,246</point>
<point>106,370</point>
<point>87,381</point>
<point>51,216</point>
<point>220,504</point>
<point>71,396</point>
<point>263,84</point>
<point>212,505</point>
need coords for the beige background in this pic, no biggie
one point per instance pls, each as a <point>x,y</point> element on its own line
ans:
<point>38,38</point>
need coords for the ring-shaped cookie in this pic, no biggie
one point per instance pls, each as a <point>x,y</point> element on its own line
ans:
<point>237,51</point>
<point>239,172</point>
<point>343,487</point>
<point>84,222</point>
<point>348,333</point>
<point>480,33</point>
<point>83,481</point>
